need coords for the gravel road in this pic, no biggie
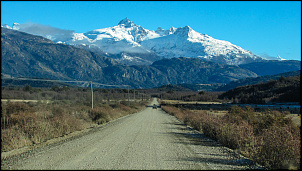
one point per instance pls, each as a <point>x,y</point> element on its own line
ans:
<point>150,139</point>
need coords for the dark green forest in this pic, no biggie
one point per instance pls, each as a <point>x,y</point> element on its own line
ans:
<point>283,90</point>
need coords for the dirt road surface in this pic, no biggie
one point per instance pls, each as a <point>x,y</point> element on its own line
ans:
<point>150,139</point>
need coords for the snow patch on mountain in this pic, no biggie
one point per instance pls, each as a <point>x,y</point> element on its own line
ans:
<point>279,58</point>
<point>6,26</point>
<point>125,37</point>
<point>185,42</point>
<point>132,38</point>
<point>16,26</point>
<point>268,57</point>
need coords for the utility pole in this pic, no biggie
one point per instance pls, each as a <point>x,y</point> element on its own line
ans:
<point>91,96</point>
<point>134,94</point>
<point>128,96</point>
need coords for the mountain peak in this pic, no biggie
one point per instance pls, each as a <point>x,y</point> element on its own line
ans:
<point>159,29</point>
<point>126,22</point>
<point>188,27</point>
<point>173,29</point>
<point>183,30</point>
<point>16,26</point>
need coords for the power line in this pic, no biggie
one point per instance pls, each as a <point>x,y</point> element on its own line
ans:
<point>35,79</point>
<point>89,82</point>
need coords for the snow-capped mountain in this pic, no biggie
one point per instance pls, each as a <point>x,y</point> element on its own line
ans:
<point>189,43</point>
<point>133,44</point>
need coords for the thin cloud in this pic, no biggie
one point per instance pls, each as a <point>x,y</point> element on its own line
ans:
<point>266,56</point>
<point>45,30</point>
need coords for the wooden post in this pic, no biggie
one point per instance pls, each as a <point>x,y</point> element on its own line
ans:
<point>91,96</point>
<point>3,122</point>
<point>128,96</point>
<point>134,95</point>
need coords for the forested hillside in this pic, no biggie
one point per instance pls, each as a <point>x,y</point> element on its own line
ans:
<point>251,80</point>
<point>285,89</point>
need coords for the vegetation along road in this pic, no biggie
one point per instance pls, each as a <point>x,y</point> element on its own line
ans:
<point>150,139</point>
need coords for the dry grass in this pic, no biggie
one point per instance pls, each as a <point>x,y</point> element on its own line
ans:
<point>27,124</point>
<point>187,102</point>
<point>269,138</point>
<point>212,112</point>
<point>296,118</point>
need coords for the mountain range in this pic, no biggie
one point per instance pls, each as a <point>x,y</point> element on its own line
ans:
<point>132,44</point>
<point>28,55</point>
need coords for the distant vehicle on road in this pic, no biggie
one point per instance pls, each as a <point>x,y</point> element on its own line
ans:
<point>154,106</point>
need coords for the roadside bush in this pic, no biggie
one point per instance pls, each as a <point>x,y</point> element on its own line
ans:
<point>65,124</point>
<point>59,110</point>
<point>211,126</point>
<point>273,140</point>
<point>17,107</point>
<point>269,118</point>
<point>194,119</point>
<point>13,138</point>
<point>235,135</point>
<point>101,114</point>
<point>268,138</point>
<point>236,114</point>
<point>173,111</point>
<point>279,147</point>
<point>108,112</point>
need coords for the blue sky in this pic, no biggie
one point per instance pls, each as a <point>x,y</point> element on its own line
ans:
<point>263,27</point>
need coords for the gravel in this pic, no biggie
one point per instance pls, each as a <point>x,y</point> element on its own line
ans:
<point>147,140</point>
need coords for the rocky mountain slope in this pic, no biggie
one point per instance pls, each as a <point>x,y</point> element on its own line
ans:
<point>195,70</point>
<point>271,67</point>
<point>26,55</point>
<point>132,44</point>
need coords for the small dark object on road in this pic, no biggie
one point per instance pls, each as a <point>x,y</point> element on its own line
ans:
<point>154,106</point>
